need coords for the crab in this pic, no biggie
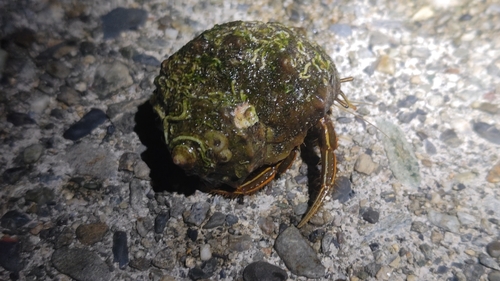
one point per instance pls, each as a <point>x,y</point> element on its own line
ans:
<point>237,102</point>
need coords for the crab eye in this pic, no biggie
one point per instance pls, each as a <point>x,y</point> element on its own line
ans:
<point>216,141</point>
<point>184,156</point>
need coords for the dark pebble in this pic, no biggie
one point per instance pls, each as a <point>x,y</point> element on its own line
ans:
<point>299,257</point>
<point>371,215</point>
<point>240,243</point>
<point>145,59</point>
<point>429,147</point>
<point>19,119</point>
<point>13,175</point>
<point>316,235</point>
<point>80,264</point>
<point>450,138</point>
<point>344,120</point>
<point>473,271</point>
<point>89,234</point>
<point>488,261</point>
<point>465,17</point>
<point>41,196</point>
<point>406,117</point>
<point>13,220</point>
<point>192,234</point>
<point>231,220</point>
<point>374,246</point>
<point>10,258</point>
<point>493,249</point>
<point>161,221</point>
<point>84,126</point>
<point>372,268</point>
<point>487,132</point>
<point>263,271</point>
<point>141,264</point>
<point>206,271</point>
<point>197,214</point>
<point>494,276</point>
<point>426,250</point>
<point>217,219</point>
<point>122,19</point>
<point>120,249</point>
<point>408,101</point>
<point>87,48</point>
<point>57,113</point>
<point>342,191</point>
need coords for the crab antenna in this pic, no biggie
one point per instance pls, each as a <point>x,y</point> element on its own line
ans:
<point>344,101</point>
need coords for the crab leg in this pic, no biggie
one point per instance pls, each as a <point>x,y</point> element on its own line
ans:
<point>327,145</point>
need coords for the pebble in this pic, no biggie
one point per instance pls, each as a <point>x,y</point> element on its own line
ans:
<point>32,153</point>
<point>494,276</point>
<point>342,30</point>
<point>144,225</point>
<point>120,249</point>
<point>386,65</point>
<point>141,263</point>
<point>89,234</point>
<point>197,213</point>
<point>444,221</point>
<point>13,175</point>
<point>19,119</point>
<point>145,59</point>
<point>206,271</point>
<point>402,159</point>
<point>10,256</point>
<point>80,264</point>
<point>487,131</point>
<point>406,117</point>
<point>419,227</point>
<point>429,147</point>
<point>40,196</point>
<point>217,219</point>
<point>205,252</point>
<point>165,259</point>
<point>58,69</point>
<point>263,271</point>
<point>85,125</point>
<point>488,261</point>
<point>127,161</point>
<point>466,218</point>
<point>240,243</point>
<point>68,96</point>
<point>141,170</point>
<point>384,273</point>
<point>13,220</point>
<point>266,224</point>
<point>343,191</point>
<point>426,250</point>
<point>493,249</point>
<point>365,165</point>
<point>473,271</point>
<point>494,174</point>
<point>299,257</point>
<point>407,102</point>
<point>231,220</point>
<point>370,215</point>
<point>136,194</point>
<point>122,19</point>
<point>450,138</point>
<point>423,14</point>
<point>161,221</point>
<point>110,77</point>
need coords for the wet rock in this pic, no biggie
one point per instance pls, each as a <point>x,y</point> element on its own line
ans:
<point>343,191</point>
<point>450,138</point>
<point>41,196</point>
<point>240,243</point>
<point>19,119</point>
<point>487,132</point>
<point>493,249</point>
<point>197,214</point>
<point>111,77</point>
<point>161,221</point>
<point>494,174</point>
<point>10,258</point>
<point>402,159</point>
<point>89,234</point>
<point>122,19</point>
<point>32,153</point>
<point>13,220</point>
<point>120,249</point>
<point>263,271</point>
<point>80,264</point>
<point>444,221</point>
<point>488,261</point>
<point>86,125</point>
<point>217,219</point>
<point>365,165</point>
<point>298,255</point>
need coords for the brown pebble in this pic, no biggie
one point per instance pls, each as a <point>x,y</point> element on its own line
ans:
<point>91,233</point>
<point>494,174</point>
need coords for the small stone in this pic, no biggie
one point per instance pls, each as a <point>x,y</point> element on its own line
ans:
<point>494,276</point>
<point>141,264</point>
<point>342,30</point>
<point>372,268</point>
<point>127,161</point>
<point>493,249</point>
<point>41,196</point>
<point>384,273</point>
<point>408,101</point>
<point>371,215</point>
<point>231,220</point>
<point>161,221</point>
<point>10,254</point>
<point>205,272</point>
<point>488,107</point>
<point>444,221</point>
<point>58,69</point>
<point>122,19</point>
<point>473,271</point>
<point>406,117</point>
<point>80,264</point>
<point>146,59</point>
<point>13,220</point>
<point>299,257</point>
<point>240,243</point>
<point>342,191</point>
<point>488,261</point>
<point>197,214</point>
<point>89,234</point>
<point>192,234</point>
<point>426,250</point>
<point>68,96</point>
<point>423,14</point>
<point>429,147</point>
<point>217,219</point>
<point>386,65</point>
<point>494,174</point>
<point>263,271</point>
<point>419,227</point>
<point>86,125</point>
<point>487,132</point>
<point>365,165</point>
<point>111,77</point>
<point>466,218</point>
<point>120,249</point>
<point>205,252</point>
<point>144,225</point>
<point>165,259</point>
<point>32,153</point>
<point>450,138</point>
<point>267,225</point>
<point>141,170</point>
<point>136,194</point>
<point>19,119</point>
<point>13,175</point>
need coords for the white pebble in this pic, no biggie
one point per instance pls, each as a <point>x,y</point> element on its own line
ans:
<point>205,252</point>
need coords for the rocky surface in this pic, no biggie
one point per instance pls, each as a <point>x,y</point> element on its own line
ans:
<point>87,191</point>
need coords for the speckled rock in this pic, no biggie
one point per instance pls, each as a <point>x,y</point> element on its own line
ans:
<point>91,233</point>
<point>80,264</point>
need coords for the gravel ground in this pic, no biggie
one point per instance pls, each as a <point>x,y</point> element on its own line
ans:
<point>87,191</point>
